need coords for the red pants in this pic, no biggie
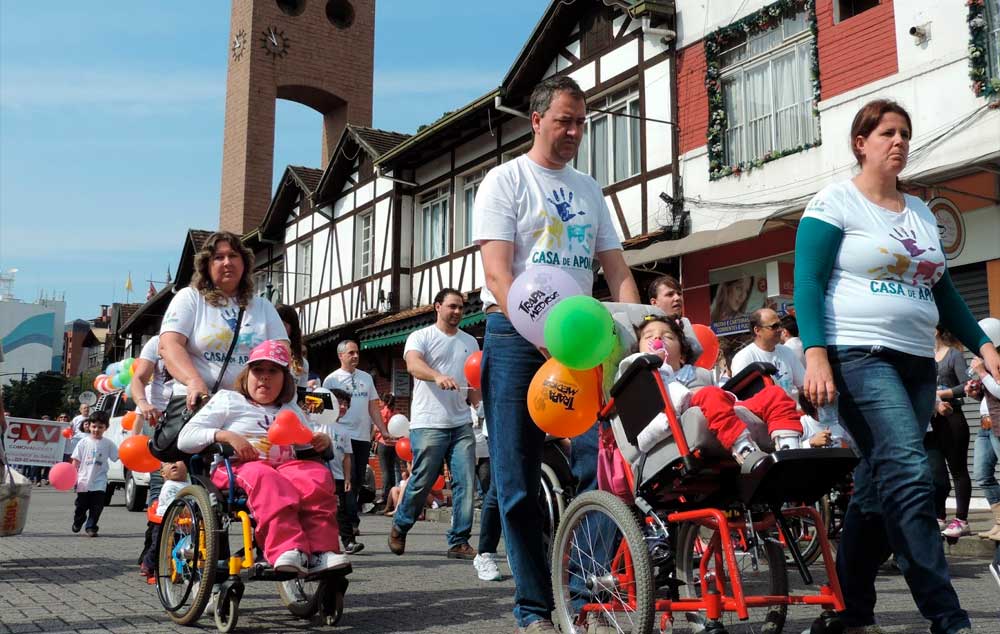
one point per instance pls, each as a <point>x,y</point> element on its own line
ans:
<point>294,504</point>
<point>772,405</point>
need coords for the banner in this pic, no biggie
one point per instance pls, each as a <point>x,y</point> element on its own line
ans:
<point>738,291</point>
<point>34,442</point>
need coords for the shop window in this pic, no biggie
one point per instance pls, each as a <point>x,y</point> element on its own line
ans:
<point>469,184</point>
<point>365,243</point>
<point>434,225</point>
<point>303,277</point>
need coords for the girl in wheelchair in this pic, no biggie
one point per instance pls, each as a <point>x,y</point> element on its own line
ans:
<point>665,338</point>
<point>292,500</point>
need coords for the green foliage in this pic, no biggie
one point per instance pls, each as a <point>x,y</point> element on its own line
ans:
<point>982,84</point>
<point>36,396</point>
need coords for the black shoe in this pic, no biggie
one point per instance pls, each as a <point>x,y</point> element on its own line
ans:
<point>354,548</point>
<point>91,532</point>
<point>755,461</point>
<point>76,527</point>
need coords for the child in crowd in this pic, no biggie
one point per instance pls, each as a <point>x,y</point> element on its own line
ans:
<point>821,434</point>
<point>175,478</point>
<point>340,436</point>
<point>396,492</point>
<point>664,337</point>
<point>90,458</point>
<point>292,500</point>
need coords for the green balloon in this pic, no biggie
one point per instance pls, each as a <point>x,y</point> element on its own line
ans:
<point>579,332</point>
<point>127,364</point>
<point>124,378</point>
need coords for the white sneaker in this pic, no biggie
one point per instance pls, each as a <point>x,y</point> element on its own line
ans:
<point>486,567</point>
<point>291,561</point>
<point>995,571</point>
<point>329,561</point>
<point>957,528</point>
<point>786,440</point>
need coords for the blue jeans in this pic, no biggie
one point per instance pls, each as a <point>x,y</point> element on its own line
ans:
<point>431,448</point>
<point>984,465</point>
<point>490,526</point>
<point>509,363</point>
<point>886,400</point>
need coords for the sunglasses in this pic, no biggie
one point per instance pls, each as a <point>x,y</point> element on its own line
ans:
<point>776,326</point>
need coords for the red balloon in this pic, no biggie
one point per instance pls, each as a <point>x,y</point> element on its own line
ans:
<point>128,421</point>
<point>67,433</point>
<point>134,454</point>
<point>709,343</point>
<point>62,476</point>
<point>473,368</point>
<point>287,429</point>
<point>98,380</point>
<point>403,449</point>
<point>438,484</point>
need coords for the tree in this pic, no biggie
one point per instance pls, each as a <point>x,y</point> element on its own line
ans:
<point>37,396</point>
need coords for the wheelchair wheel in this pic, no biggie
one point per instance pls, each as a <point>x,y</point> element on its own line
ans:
<point>227,614</point>
<point>804,529</point>
<point>188,555</point>
<point>551,504</point>
<point>301,597</point>
<point>769,578</point>
<point>599,556</point>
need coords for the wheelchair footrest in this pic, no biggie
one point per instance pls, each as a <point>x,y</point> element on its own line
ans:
<point>804,475</point>
<point>263,571</point>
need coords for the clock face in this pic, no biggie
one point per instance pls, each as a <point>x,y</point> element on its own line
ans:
<point>950,226</point>
<point>274,42</point>
<point>239,44</point>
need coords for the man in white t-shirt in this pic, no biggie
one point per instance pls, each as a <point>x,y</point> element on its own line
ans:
<point>536,210</point>
<point>790,337</point>
<point>76,425</point>
<point>765,325</point>
<point>440,426</point>
<point>363,413</point>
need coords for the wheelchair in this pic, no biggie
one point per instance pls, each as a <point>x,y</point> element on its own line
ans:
<point>692,536</point>
<point>197,568</point>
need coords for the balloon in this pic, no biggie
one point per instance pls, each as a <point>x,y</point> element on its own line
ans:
<point>62,476</point>
<point>579,332</point>
<point>151,515</point>
<point>473,366</point>
<point>127,363</point>
<point>123,378</point>
<point>98,380</point>
<point>128,421</point>
<point>115,382</point>
<point>438,484</point>
<point>564,402</point>
<point>710,346</point>
<point>399,426</point>
<point>403,449</point>
<point>67,432</point>
<point>287,429</point>
<point>134,454</point>
<point>533,295</point>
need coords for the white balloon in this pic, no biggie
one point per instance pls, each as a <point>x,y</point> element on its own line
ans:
<point>399,426</point>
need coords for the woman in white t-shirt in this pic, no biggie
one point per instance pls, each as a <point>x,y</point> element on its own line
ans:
<point>198,327</point>
<point>871,283</point>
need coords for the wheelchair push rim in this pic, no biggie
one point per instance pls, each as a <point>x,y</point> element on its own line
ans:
<point>188,555</point>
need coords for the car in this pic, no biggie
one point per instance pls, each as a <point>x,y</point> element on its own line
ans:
<point>136,485</point>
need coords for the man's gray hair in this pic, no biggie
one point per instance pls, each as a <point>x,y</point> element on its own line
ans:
<point>342,346</point>
<point>542,95</point>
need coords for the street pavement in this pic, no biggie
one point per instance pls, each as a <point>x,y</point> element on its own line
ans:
<point>54,581</point>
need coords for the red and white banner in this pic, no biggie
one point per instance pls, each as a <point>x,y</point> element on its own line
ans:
<point>34,442</point>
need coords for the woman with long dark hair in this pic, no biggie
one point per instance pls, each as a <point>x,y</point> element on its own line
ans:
<point>950,429</point>
<point>300,364</point>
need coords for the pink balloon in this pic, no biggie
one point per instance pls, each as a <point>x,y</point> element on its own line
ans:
<point>533,294</point>
<point>62,476</point>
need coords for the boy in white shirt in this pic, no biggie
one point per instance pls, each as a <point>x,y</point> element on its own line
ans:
<point>90,458</point>
<point>340,464</point>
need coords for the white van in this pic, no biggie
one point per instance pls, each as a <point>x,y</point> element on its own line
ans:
<point>136,485</point>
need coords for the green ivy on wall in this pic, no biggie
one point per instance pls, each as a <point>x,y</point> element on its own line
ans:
<point>765,19</point>
<point>979,70</point>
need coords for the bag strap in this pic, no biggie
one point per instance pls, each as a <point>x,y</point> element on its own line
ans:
<point>229,355</point>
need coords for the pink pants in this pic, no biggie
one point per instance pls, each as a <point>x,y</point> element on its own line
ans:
<point>294,504</point>
<point>772,405</point>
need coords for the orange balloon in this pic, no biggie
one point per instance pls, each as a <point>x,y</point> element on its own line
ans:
<point>67,432</point>
<point>564,402</point>
<point>709,343</point>
<point>404,450</point>
<point>134,454</point>
<point>287,429</point>
<point>128,421</point>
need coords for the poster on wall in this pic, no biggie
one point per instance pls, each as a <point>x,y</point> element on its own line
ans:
<point>400,383</point>
<point>738,291</point>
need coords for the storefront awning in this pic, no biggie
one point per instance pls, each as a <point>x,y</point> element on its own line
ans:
<point>396,328</point>
<point>400,336</point>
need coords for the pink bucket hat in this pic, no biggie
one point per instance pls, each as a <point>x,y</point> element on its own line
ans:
<point>271,350</point>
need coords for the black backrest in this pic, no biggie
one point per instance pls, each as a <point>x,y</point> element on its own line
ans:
<point>750,380</point>
<point>638,395</point>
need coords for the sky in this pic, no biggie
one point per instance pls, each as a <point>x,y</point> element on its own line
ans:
<point>111,118</point>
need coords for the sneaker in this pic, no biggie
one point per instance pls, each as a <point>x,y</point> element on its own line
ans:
<point>957,528</point>
<point>995,571</point>
<point>91,532</point>
<point>538,627</point>
<point>76,527</point>
<point>328,561</point>
<point>291,561</point>
<point>462,551</point>
<point>486,567</point>
<point>397,541</point>
<point>354,548</point>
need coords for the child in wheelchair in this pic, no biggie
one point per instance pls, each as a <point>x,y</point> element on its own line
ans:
<point>665,338</point>
<point>292,500</point>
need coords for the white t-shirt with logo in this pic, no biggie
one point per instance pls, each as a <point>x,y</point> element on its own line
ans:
<point>432,407</point>
<point>160,386</point>
<point>209,331</point>
<point>362,389</point>
<point>93,454</point>
<point>880,286</point>
<point>168,493</point>
<point>791,374</point>
<point>554,217</point>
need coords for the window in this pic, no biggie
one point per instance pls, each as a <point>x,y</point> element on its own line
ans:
<point>993,39</point>
<point>849,8</point>
<point>303,261</point>
<point>767,92</point>
<point>463,221</point>
<point>610,147</point>
<point>365,242</point>
<point>434,225</point>
<point>277,278</point>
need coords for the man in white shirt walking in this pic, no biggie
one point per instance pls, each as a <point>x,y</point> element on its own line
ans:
<point>765,326</point>
<point>363,413</point>
<point>440,425</point>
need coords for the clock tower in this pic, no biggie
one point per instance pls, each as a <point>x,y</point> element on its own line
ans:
<point>319,53</point>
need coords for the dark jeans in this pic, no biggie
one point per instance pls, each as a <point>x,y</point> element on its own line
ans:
<point>343,524</point>
<point>939,474</point>
<point>490,527</point>
<point>359,464</point>
<point>583,463</point>
<point>509,363</point>
<point>388,464</point>
<point>483,477</point>
<point>153,550</point>
<point>89,505</point>
<point>952,432</point>
<point>886,400</point>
